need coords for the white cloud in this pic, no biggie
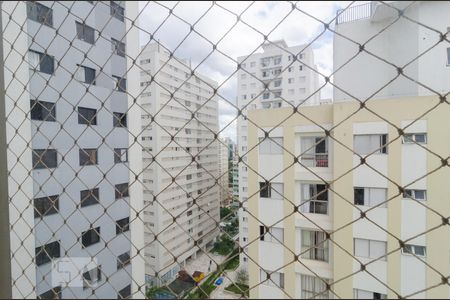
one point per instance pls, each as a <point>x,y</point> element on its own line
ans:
<point>216,24</point>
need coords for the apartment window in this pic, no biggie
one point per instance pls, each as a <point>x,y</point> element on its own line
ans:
<point>415,194</point>
<point>302,79</point>
<point>144,61</point>
<point>117,11</point>
<point>300,68</point>
<point>189,213</point>
<point>314,245</point>
<point>189,177</point>
<point>243,76</point>
<point>121,190</point>
<point>123,260</point>
<point>271,145</point>
<point>188,131</point>
<point>88,157</point>
<point>302,90</point>
<point>44,254</point>
<point>90,237</point>
<point>43,111</point>
<point>277,60</point>
<point>252,64</point>
<point>41,62</point>
<point>274,235</point>
<point>122,225</point>
<point>92,277</point>
<point>243,86</point>
<point>40,13</point>
<point>276,279</point>
<point>314,151</point>
<point>89,197</point>
<point>119,119</point>
<point>244,97</point>
<point>314,199</point>
<point>370,196</point>
<point>124,293</point>
<point>271,190</point>
<point>276,72</point>
<point>121,83</point>
<point>118,47</point>
<point>277,83</point>
<point>369,248</point>
<point>266,96</point>
<point>362,294</point>
<point>370,143</point>
<point>414,249</point>
<point>314,287</point>
<point>301,56</point>
<point>87,116</point>
<point>85,33</point>
<point>53,293</point>
<point>120,155</point>
<point>290,80</point>
<point>410,138</point>
<point>45,206</point>
<point>45,158</point>
<point>290,69</point>
<point>85,74</point>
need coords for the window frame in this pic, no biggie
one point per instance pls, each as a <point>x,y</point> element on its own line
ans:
<point>50,205</point>
<point>90,237</point>
<point>85,158</point>
<point>82,120</point>
<point>118,156</point>
<point>120,120</point>
<point>121,226</point>
<point>411,138</point>
<point>38,18</point>
<point>40,164</point>
<point>43,106</point>
<point>120,192</point>
<point>312,251</point>
<point>84,31</point>
<point>41,64</point>
<point>44,254</point>
<point>92,197</point>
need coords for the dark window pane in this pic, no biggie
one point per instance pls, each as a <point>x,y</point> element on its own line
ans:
<point>118,47</point>
<point>120,155</point>
<point>85,33</point>
<point>125,292</point>
<point>43,111</point>
<point>119,120</point>
<point>121,83</point>
<point>123,260</point>
<point>54,293</point>
<point>90,237</point>
<point>89,197</point>
<point>89,75</point>
<point>384,143</point>
<point>261,233</point>
<point>47,64</point>
<point>264,191</point>
<point>87,116</point>
<point>46,206</point>
<point>44,254</point>
<point>321,145</point>
<point>40,13</point>
<point>121,190</point>
<point>122,225</point>
<point>117,11</point>
<point>359,196</point>
<point>322,193</point>
<point>44,158</point>
<point>88,157</point>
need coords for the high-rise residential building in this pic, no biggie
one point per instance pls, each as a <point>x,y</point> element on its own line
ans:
<point>224,191</point>
<point>367,200</point>
<point>280,76</point>
<point>75,168</point>
<point>407,47</point>
<point>180,161</point>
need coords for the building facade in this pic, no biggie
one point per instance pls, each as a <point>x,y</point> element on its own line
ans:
<point>359,206</point>
<point>77,125</point>
<point>224,191</point>
<point>180,161</point>
<point>289,73</point>
<point>368,198</point>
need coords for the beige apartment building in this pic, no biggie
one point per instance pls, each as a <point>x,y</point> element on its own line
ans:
<point>363,217</point>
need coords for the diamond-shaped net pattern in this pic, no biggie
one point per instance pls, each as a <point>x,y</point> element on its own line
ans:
<point>115,118</point>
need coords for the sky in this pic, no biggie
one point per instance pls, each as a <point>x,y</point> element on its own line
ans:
<point>171,24</point>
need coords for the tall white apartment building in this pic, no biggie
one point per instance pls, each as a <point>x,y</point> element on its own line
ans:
<point>74,68</point>
<point>412,46</point>
<point>369,217</point>
<point>289,75</point>
<point>224,192</point>
<point>181,181</point>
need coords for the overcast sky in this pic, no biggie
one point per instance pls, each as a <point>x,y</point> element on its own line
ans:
<point>216,25</point>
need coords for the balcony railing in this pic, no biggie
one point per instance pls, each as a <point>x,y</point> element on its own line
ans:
<point>355,13</point>
<point>315,160</point>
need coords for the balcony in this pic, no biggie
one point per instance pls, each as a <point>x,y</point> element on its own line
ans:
<point>317,160</point>
<point>354,13</point>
